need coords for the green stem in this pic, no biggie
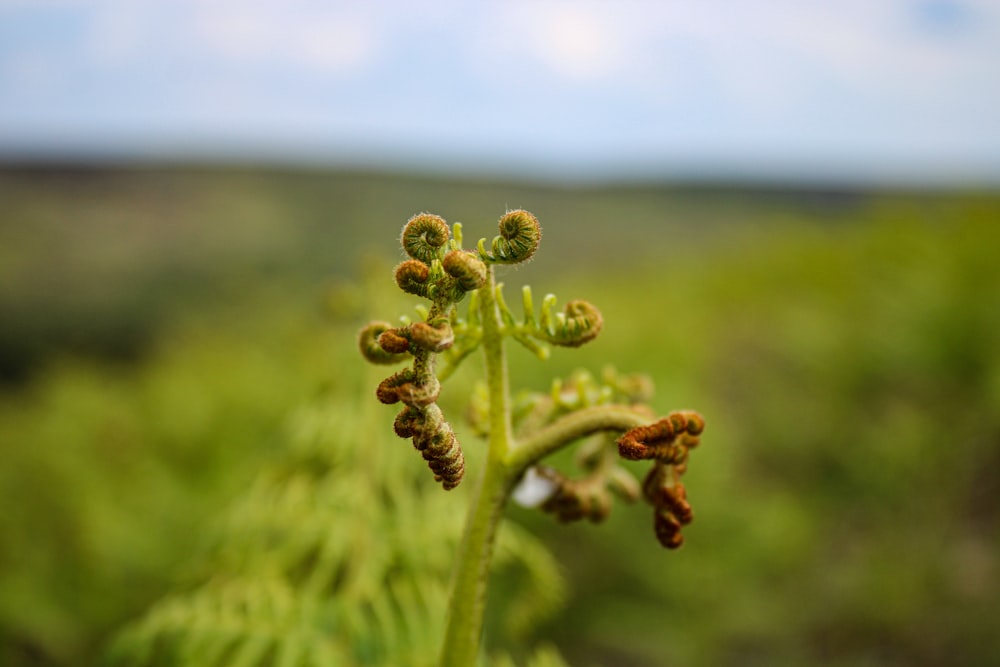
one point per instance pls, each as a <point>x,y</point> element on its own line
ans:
<point>571,427</point>
<point>506,461</point>
<point>475,553</point>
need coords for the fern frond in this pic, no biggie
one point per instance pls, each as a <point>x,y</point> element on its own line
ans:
<point>545,591</point>
<point>329,560</point>
<point>544,656</point>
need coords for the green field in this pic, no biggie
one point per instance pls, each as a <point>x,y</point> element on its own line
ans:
<point>173,340</point>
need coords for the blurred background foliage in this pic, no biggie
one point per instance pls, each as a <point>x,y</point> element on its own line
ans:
<point>177,345</point>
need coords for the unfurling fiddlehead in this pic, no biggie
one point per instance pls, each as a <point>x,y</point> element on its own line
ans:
<point>575,499</point>
<point>424,237</point>
<point>374,350</point>
<point>579,323</point>
<point>434,438</point>
<point>466,268</point>
<point>412,275</point>
<point>443,278</point>
<point>666,442</point>
<point>520,236</point>
<point>520,434</point>
<point>439,270</point>
<point>588,497</point>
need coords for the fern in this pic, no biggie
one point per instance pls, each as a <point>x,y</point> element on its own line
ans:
<point>338,554</point>
<point>613,416</point>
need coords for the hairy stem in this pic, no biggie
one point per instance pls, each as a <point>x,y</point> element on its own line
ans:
<point>471,576</point>
<point>571,427</point>
<point>506,462</point>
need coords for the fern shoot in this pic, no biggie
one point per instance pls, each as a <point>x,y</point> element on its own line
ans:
<point>609,418</point>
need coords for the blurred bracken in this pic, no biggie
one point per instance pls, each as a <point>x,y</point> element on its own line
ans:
<point>844,345</point>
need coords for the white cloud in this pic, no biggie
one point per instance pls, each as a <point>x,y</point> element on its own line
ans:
<point>582,42</point>
<point>335,43</point>
<point>574,40</point>
<point>562,75</point>
<point>328,39</point>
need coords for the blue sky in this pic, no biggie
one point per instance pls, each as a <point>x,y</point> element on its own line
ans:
<point>858,90</point>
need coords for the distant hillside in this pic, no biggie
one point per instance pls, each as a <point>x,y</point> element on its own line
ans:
<point>93,259</point>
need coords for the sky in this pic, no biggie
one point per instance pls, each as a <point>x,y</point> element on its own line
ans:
<point>858,90</point>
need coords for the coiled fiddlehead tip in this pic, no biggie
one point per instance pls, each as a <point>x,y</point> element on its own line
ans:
<point>658,440</point>
<point>405,386</point>
<point>466,268</point>
<point>667,529</point>
<point>387,391</point>
<point>444,457</point>
<point>520,236</point>
<point>634,389</point>
<point>411,276</point>
<point>424,237</point>
<point>694,423</point>
<point>666,442</point>
<point>579,323</point>
<point>392,342</point>
<point>408,423</point>
<point>434,438</point>
<point>663,490</point>
<point>583,323</point>
<point>432,338</point>
<point>671,510</point>
<point>572,500</point>
<point>369,341</point>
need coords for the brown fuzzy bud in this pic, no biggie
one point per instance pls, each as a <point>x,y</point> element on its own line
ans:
<point>432,338</point>
<point>691,422</point>
<point>466,268</point>
<point>388,390</point>
<point>646,442</point>
<point>667,442</point>
<point>444,457</point>
<point>434,438</point>
<point>660,440</point>
<point>402,386</point>
<point>411,276</point>
<point>372,350</point>
<point>573,500</point>
<point>420,395</point>
<point>668,530</point>
<point>391,341</point>
<point>408,423</point>
<point>664,491</point>
<point>675,499</point>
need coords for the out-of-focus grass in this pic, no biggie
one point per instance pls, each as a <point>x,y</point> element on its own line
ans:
<point>843,350</point>
<point>99,260</point>
<point>111,471</point>
<point>846,490</point>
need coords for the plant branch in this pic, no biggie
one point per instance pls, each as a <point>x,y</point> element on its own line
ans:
<point>572,427</point>
<point>468,597</point>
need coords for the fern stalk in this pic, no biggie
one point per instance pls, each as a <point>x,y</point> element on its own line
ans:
<point>314,544</point>
<point>506,462</point>
<point>472,569</point>
<point>441,271</point>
